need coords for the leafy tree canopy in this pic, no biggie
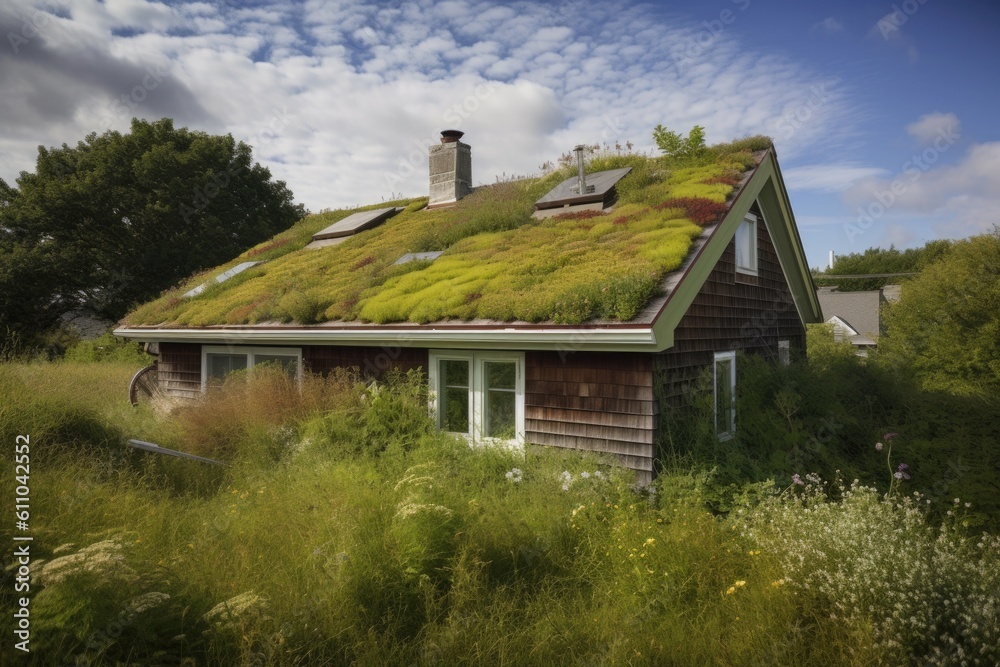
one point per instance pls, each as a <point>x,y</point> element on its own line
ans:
<point>674,145</point>
<point>947,321</point>
<point>120,217</point>
<point>880,260</point>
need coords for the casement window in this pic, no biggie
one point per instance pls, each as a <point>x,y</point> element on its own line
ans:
<point>746,245</point>
<point>725,394</point>
<point>784,353</point>
<point>219,361</point>
<point>479,395</point>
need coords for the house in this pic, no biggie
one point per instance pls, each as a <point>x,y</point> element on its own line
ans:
<point>569,310</point>
<point>856,316</point>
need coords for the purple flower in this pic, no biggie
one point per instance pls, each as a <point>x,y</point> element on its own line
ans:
<point>901,471</point>
<point>797,480</point>
<point>889,436</point>
<point>878,446</point>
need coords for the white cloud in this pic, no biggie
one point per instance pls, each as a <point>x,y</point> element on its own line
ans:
<point>932,126</point>
<point>829,177</point>
<point>963,198</point>
<point>829,25</point>
<point>354,90</point>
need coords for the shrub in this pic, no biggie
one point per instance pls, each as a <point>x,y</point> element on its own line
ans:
<point>262,408</point>
<point>109,348</point>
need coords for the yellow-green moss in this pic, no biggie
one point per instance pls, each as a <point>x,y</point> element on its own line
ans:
<point>498,262</point>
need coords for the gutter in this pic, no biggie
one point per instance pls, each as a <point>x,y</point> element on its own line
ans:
<point>634,338</point>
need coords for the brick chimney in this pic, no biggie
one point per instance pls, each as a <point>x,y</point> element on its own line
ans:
<point>450,170</point>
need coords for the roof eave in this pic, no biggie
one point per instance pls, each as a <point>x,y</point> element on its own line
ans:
<point>637,339</point>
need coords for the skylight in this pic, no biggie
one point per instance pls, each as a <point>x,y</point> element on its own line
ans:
<point>356,222</point>
<point>221,278</point>
<point>419,256</point>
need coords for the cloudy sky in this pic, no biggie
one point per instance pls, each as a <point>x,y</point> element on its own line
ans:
<point>883,113</point>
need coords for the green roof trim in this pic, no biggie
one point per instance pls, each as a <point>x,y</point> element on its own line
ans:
<point>498,264</point>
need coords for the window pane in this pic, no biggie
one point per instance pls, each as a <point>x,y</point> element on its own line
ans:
<point>455,373</point>
<point>500,414</point>
<point>500,375</point>
<point>221,365</point>
<point>455,410</point>
<point>723,395</point>
<point>454,395</point>
<point>743,245</point>
<point>289,364</point>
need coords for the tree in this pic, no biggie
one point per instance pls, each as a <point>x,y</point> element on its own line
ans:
<point>675,146</point>
<point>120,217</point>
<point>947,321</point>
<point>881,260</point>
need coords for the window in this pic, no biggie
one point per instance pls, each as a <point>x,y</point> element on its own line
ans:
<point>478,394</point>
<point>746,245</point>
<point>219,361</point>
<point>784,353</point>
<point>725,394</point>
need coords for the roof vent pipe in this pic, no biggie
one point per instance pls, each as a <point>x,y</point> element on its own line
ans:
<point>582,187</point>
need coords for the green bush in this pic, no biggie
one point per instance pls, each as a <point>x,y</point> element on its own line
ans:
<point>109,348</point>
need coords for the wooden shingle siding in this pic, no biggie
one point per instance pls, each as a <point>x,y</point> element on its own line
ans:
<point>178,369</point>
<point>594,401</point>
<point>371,362</point>
<point>732,312</point>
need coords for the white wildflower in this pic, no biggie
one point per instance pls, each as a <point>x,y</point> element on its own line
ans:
<point>105,558</point>
<point>227,613</point>
<point>409,509</point>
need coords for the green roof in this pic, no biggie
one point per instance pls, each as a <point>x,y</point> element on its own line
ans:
<point>498,263</point>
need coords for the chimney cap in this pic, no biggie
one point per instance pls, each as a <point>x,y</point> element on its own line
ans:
<point>451,136</point>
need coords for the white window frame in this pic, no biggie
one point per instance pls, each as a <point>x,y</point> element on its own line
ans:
<point>251,353</point>
<point>751,270</point>
<point>477,391</point>
<point>731,357</point>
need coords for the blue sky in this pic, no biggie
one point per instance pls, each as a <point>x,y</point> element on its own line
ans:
<point>883,113</point>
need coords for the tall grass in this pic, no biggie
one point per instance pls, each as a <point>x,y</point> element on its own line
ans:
<point>347,531</point>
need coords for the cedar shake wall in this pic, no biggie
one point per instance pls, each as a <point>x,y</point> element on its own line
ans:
<point>594,401</point>
<point>370,361</point>
<point>732,312</point>
<point>178,369</point>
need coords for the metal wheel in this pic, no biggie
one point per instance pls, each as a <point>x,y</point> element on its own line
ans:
<point>144,386</point>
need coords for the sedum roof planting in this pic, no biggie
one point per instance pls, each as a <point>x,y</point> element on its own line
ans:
<point>497,263</point>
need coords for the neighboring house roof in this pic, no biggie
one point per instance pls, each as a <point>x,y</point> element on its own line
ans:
<point>617,279</point>
<point>859,312</point>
